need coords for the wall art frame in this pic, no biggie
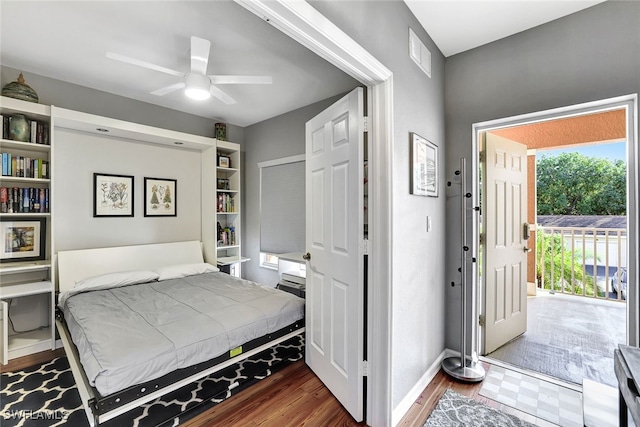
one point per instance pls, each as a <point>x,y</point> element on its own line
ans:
<point>160,197</point>
<point>424,166</point>
<point>24,239</point>
<point>113,195</point>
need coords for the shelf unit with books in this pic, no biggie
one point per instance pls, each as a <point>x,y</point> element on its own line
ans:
<point>228,191</point>
<point>26,270</point>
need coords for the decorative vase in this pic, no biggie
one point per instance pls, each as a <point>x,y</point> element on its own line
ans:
<point>19,128</point>
<point>20,90</point>
<point>221,131</point>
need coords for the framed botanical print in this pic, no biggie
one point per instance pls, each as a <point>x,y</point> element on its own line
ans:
<point>160,197</point>
<point>112,195</point>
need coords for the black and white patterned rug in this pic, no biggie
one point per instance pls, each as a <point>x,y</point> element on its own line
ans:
<point>46,395</point>
<point>456,410</point>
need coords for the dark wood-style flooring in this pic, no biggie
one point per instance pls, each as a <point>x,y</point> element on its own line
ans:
<point>295,396</point>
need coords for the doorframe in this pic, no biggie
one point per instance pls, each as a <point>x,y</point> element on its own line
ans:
<point>303,23</point>
<point>630,104</point>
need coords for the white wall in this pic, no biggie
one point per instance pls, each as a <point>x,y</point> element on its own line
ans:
<point>79,155</point>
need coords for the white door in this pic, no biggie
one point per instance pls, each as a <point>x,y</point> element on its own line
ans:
<point>504,220</point>
<point>334,224</point>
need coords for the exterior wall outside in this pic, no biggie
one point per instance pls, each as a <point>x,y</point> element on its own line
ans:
<point>591,55</point>
<point>418,276</point>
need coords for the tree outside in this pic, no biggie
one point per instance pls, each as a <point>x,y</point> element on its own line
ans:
<point>574,184</point>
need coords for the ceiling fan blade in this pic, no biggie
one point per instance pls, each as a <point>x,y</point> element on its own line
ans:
<point>199,55</point>
<point>168,89</point>
<point>218,93</point>
<point>144,64</point>
<point>236,80</point>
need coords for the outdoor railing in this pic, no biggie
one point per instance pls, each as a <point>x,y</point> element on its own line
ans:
<point>587,262</point>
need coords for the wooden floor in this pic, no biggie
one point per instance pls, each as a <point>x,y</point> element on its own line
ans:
<point>295,396</point>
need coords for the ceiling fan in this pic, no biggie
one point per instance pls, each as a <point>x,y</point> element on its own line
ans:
<point>197,84</point>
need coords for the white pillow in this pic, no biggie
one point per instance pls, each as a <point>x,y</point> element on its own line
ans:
<point>183,270</point>
<point>108,281</point>
<point>121,278</point>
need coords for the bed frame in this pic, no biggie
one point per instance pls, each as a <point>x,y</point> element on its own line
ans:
<point>79,264</point>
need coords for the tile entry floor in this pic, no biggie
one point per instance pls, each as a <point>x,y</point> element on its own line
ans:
<point>551,402</point>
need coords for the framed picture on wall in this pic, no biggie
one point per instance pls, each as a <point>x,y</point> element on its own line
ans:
<point>112,195</point>
<point>424,166</point>
<point>160,197</point>
<point>23,239</point>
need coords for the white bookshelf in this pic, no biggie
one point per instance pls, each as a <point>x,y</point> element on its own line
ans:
<point>20,281</point>
<point>228,214</point>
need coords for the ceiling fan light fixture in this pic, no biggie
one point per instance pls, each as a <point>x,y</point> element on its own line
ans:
<point>197,87</point>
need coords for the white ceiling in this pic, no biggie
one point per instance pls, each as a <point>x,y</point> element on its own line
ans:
<point>68,40</point>
<point>457,25</point>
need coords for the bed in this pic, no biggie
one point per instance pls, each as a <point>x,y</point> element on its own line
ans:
<point>140,321</point>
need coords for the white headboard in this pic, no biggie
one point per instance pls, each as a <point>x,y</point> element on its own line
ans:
<point>79,264</point>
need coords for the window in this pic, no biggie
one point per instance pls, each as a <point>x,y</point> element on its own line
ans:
<point>268,260</point>
<point>282,210</point>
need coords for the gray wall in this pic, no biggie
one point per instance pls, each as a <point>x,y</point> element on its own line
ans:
<point>281,136</point>
<point>418,287</point>
<point>591,55</point>
<point>81,98</point>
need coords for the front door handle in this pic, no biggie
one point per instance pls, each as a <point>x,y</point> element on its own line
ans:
<point>526,249</point>
<point>306,256</point>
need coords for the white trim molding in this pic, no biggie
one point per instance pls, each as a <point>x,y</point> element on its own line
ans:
<point>405,404</point>
<point>303,23</point>
<point>281,161</point>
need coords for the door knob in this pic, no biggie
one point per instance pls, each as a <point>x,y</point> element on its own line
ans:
<point>306,256</point>
<point>526,249</point>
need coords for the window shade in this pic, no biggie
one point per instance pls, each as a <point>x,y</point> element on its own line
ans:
<point>282,216</point>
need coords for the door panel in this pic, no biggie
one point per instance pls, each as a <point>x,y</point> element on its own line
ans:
<point>334,215</point>
<point>505,184</point>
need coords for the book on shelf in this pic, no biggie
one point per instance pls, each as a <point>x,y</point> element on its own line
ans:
<point>24,200</point>
<point>226,203</point>
<point>24,167</point>
<point>38,130</point>
<point>5,127</point>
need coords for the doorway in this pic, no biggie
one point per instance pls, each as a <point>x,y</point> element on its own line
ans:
<point>310,28</point>
<point>537,349</point>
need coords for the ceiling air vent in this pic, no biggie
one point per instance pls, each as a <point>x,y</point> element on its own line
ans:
<point>419,53</point>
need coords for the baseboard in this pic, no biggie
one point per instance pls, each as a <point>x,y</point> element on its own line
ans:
<point>405,404</point>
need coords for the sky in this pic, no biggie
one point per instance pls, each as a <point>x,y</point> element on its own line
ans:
<point>611,151</point>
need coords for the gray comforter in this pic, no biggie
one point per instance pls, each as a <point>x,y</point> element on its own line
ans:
<point>131,334</point>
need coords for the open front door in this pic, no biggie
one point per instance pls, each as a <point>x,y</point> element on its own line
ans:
<point>505,244</point>
<point>335,260</point>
